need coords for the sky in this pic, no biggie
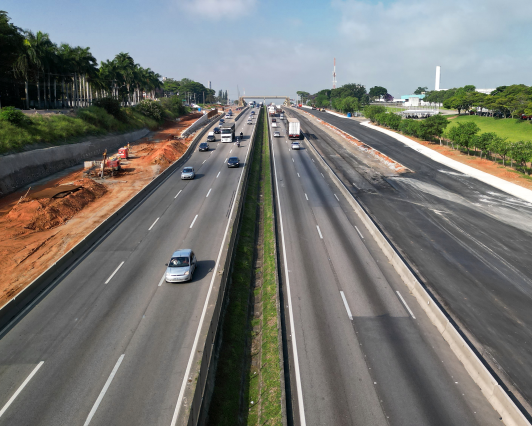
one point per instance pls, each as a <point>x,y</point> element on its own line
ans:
<point>275,47</point>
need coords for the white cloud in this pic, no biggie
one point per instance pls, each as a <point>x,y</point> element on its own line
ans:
<point>218,9</point>
<point>399,43</point>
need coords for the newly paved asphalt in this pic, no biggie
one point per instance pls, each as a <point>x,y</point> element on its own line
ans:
<point>382,366</point>
<point>114,351</point>
<point>471,243</point>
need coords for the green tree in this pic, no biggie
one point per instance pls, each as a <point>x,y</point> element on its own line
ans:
<point>371,111</point>
<point>433,127</point>
<point>421,90</point>
<point>500,146</point>
<point>483,142</point>
<point>11,43</point>
<point>521,153</point>
<point>377,91</point>
<point>463,134</point>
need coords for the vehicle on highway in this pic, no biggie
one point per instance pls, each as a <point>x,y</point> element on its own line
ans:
<point>222,121</point>
<point>323,110</point>
<point>233,162</point>
<point>188,173</point>
<point>211,137</point>
<point>274,120</point>
<point>241,135</point>
<point>204,146</point>
<point>216,130</point>
<point>296,145</point>
<point>250,121</point>
<point>276,134</point>
<point>294,128</point>
<point>227,116</point>
<point>281,117</point>
<point>252,112</point>
<point>274,124</point>
<point>228,132</point>
<point>181,266</point>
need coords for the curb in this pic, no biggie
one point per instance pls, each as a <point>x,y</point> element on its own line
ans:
<point>10,312</point>
<point>510,414</point>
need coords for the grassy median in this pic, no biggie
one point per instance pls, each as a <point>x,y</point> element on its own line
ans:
<point>248,379</point>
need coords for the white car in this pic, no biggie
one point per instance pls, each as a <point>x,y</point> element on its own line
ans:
<point>274,124</point>
<point>250,122</point>
<point>276,134</point>
<point>296,145</point>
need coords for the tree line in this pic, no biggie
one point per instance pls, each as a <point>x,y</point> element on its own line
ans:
<point>464,136</point>
<point>512,101</point>
<point>35,72</point>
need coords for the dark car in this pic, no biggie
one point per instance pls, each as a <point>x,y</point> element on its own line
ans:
<point>204,146</point>
<point>233,162</point>
<point>217,130</point>
<point>222,121</point>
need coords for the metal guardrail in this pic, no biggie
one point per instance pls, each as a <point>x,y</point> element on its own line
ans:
<point>51,277</point>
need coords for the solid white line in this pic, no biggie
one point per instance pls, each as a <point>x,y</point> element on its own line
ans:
<point>203,161</point>
<point>322,174</point>
<point>313,160</point>
<point>113,274</point>
<point>230,151</point>
<point>218,174</point>
<point>192,224</point>
<point>407,307</point>
<point>336,197</point>
<point>306,197</point>
<point>293,160</point>
<point>8,403</point>
<point>202,318</point>
<point>178,193</point>
<point>359,233</point>
<point>209,192</point>
<point>346,306</point>
<point>298,175</point>
<point>153,224</point>
<point>319,232</point>
<point>225,161</point>
<point>102,393</point>
<point>162,279</point>
<point>302,419</point>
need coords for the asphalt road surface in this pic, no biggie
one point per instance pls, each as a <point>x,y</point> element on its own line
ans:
<point>363,352</point>
<point>109,345</point>
<point>470,242</point>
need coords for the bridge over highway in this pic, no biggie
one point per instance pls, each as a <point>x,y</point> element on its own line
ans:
<point>286,99</point>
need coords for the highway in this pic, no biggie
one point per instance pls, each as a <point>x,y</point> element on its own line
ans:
<point>110,344</point>
<point>469,242</point>
<point>362,351</point>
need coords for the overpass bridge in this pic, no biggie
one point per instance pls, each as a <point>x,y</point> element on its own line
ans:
<point>286,99</point>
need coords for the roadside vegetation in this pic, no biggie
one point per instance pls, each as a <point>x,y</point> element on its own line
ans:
<point>247,389</point>
<point>465,135</point>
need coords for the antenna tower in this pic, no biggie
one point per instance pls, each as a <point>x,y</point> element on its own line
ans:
<point>334,74</point>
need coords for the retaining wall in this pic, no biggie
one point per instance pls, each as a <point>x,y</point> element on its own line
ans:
<point>197,124</point>
<point>17,170</point>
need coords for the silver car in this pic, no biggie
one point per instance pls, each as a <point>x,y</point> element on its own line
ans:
<point>188,173</point>
<point>181,266</point>
<point>296,145</point>
<point>276,134</point>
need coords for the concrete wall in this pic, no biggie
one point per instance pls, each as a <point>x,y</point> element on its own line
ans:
<point>196,125</point>
<point>17,170</point>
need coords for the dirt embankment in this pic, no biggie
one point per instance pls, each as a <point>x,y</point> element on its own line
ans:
<point>35,233</point>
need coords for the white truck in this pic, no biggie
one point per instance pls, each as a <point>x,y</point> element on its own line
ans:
<point>271,111</point>
<point>294,128</point>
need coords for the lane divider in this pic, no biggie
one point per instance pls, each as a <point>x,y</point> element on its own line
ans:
<point>153,224</point>
<point>346,306</point>
<point>113,274</point>
<point>359,233</point>
<point>192,224</point>
<point>178,193</point>
<point>319,232</point>
<point>404,303</point>
<point>21,387</point>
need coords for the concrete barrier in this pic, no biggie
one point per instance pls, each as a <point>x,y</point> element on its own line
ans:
<point>47,279</point>
<point>478,370</point>
<point>196,125</point>
<point>17,170</point>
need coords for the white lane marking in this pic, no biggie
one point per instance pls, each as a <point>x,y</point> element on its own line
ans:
<point>153,224</point>
<point>298,175</point>
<point>192,224</point>
<point>293,160</point>
<point>113,274</point>
<point>230,151</point>
<point>321,174</point>
<point>407,307</point>
<point>319,232</point>
<point>346,306</point>
<point>203,161</point>
<point>336,197</point>
<point>209,192</point>
<point>359,233</point>
<point>301,405</point>
<point>202,318</point>
<point>313,160</point>
<point>178,193</point>
<point>218,174</point>
<point>306,196</point>
<point>102,393</point>
<point>22,386</point>
<point>162,279</point>
<point>225,161</point>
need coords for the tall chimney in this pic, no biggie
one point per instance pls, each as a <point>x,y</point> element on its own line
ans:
<point>438,72</point>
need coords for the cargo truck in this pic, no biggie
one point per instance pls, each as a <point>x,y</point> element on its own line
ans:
<point>294,128</point>
<point>271,111</point>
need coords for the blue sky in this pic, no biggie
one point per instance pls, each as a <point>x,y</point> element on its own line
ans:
<point>278,47</point>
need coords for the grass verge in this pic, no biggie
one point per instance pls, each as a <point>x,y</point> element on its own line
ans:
<point>249,367</point>
<point>511,128</point>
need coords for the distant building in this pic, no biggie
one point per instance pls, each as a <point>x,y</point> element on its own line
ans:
<point>412,100</point>
<point>485,91</point>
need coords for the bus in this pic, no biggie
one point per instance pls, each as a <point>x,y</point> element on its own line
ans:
<point>228,132</point>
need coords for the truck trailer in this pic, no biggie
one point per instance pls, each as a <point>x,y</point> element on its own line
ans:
<point>294,128</point>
